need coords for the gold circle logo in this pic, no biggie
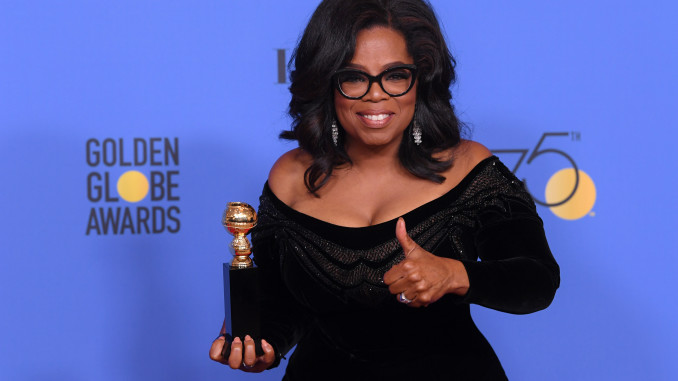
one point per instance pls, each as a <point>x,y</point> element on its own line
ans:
<point>132,186</point>
<point>560,186</point>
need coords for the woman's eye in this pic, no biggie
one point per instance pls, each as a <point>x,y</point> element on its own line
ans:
<point>398,75</point>
<point>352,78</point>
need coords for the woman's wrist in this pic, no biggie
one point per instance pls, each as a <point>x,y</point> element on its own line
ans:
<point>458,282</point>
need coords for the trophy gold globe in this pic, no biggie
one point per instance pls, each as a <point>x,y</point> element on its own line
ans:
<point>239,219</point>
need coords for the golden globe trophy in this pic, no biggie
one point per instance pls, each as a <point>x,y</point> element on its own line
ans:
<point>241,279</point>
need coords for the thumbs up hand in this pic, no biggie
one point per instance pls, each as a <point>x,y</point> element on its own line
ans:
<point>422,278</point>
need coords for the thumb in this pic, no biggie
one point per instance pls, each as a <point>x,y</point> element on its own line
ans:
<point>406,242</point>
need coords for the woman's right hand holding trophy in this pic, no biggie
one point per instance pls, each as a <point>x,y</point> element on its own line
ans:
<point>242,355</point>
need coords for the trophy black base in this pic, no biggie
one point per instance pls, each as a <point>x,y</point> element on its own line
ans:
<point>242,298</point>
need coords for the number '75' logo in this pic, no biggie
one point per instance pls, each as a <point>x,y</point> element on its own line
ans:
<point>541,152</point>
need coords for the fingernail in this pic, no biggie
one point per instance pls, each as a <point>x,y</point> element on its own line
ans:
<point>236,340</point>
<point>248,338</point>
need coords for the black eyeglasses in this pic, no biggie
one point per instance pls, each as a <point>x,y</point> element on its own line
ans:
<point>395,81</point>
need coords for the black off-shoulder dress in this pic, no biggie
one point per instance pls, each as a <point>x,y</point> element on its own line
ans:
<point>325,292</point>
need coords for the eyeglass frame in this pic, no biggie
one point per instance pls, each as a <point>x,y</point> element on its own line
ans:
<point>372,79</point>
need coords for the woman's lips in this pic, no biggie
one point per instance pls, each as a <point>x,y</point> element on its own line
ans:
<point>375,120</point>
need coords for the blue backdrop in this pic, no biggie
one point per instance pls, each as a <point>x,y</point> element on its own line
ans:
<point>126,127</point>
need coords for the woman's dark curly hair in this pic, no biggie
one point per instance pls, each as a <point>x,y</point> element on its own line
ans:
<point>328,44</point>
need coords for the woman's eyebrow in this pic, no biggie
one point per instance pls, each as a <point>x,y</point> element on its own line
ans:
<point>384,67</point>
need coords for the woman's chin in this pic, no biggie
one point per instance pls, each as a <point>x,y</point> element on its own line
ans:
<point>375,141</point>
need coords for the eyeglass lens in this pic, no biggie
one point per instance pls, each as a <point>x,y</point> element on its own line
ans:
<point>394,82</point>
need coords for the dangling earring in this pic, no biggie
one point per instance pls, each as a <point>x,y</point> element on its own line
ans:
<point>335,133</point>
<point>416,133</point>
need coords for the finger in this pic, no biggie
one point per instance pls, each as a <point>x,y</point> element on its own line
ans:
<point>407,295</point>
<point>394,274</point>
<point>235,359</point>
<point>250,356</point>
<point>410,281</point>
<point>269,354</point>
<point>262,362</point>
<point>406,271</point>
<point>406,242</point>
<point>424,299</point>
<point>397,287</point>
<point>217,348</point>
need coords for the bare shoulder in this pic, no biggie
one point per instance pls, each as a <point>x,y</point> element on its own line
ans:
<point>286,178</point>
<point>471,153</point>
<point>465,156</point>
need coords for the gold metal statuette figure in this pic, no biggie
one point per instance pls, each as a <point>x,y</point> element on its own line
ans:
<point>239,219</point>
<point>242,295</point>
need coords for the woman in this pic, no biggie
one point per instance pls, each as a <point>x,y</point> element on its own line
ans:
<point>362,295</point>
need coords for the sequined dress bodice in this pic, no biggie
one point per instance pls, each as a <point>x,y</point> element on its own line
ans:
<point>330,277</point>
